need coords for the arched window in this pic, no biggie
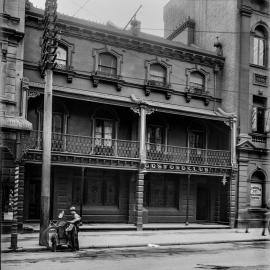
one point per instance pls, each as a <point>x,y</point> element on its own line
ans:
<point>61,57</point>
<point>259,46</point>
<point>197,81</point>
<point>107,64</point>
<point>157,73</point>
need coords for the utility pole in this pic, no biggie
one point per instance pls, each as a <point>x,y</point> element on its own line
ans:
<point>48,55</point>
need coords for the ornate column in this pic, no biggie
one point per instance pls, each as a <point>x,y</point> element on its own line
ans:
<point>143,109</point>
<point>139,201</point>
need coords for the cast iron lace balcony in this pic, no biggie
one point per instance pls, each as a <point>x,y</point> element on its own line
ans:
<point>83,145</point>
<point>185,155</point>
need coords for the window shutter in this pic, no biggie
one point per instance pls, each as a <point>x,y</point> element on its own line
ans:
<point>267,121</point>
<point>254,121</point>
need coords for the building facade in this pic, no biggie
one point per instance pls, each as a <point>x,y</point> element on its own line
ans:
<point>244,42</point>
<point>139,128</point>
<point>12,121</point>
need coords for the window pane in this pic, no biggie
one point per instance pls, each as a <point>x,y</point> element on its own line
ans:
<point>155,135</point>
<point>110,191</point>
<point>57,123</point>
<point>196,139</point>
<point>94,191</point>
<point>260,119</point>
<point>196,80</point>
<point>171,192</point>
<point>261,52</point>
<point>157,73</point>
<point>107,64</point>
<point>157,193</point>
<point>61,56</point>
<point>255,51</point>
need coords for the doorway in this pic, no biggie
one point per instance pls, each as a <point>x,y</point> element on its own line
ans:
<point>203,203</point>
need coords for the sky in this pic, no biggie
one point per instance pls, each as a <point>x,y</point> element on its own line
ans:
<point>118,12</point>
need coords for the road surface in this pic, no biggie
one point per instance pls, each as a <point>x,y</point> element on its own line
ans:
<point>228,256</point>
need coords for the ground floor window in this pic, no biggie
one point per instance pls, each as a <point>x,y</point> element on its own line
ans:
<point>101,189</point>
<point>161,191</point>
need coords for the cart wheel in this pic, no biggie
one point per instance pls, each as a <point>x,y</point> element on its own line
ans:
<point>53,245</point>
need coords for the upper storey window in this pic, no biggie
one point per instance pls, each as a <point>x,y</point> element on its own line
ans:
<point>197,81</point>
<point>157,73</point>
<point>260,46</point>
<point>107,64</point>
<point>61,57</point>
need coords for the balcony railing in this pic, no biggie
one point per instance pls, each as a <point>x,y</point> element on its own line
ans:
<point>84,145</point>
<point>259,140</point>
<point>196,156</point>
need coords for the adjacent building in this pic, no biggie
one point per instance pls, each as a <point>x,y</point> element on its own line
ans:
<point>240,30</point>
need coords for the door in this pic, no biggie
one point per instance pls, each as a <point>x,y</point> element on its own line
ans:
<point>34,198</point>
<point>203,203</point>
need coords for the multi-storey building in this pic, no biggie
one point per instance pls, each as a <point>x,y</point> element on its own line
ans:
<point>242,28</point>
<point>139,132</point>
<point>12,121</point>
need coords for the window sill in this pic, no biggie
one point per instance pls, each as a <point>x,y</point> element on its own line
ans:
<point>204,95</point>
<point>156,86</point>
<point>67,70</point>
<point>258,66</point>
<point>257,209</point>
<point>107,78</point>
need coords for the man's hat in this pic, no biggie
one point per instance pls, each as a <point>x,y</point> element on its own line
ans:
<point>72,208</point>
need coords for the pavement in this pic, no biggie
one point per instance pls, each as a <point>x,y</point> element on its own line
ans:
<point>101,239</point>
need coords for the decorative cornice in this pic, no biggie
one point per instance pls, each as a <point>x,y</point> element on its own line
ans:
<point>245,11</point>
<point>12,33</point>
<point>130,42</point>
<point>8,17</point>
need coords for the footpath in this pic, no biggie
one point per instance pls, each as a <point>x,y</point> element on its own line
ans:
<point>28,242</point>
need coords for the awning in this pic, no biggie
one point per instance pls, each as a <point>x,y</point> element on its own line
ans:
<point>15,122</point>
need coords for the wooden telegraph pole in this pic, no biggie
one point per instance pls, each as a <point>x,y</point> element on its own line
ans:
<point>48,56</point>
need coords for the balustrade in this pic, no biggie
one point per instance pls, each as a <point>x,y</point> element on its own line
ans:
<point>175,154</point>
<point>83,145</point>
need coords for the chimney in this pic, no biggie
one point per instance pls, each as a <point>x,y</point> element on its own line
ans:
<point>135,27</point>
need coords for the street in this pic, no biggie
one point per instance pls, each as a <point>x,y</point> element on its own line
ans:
<point>231,256</point>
